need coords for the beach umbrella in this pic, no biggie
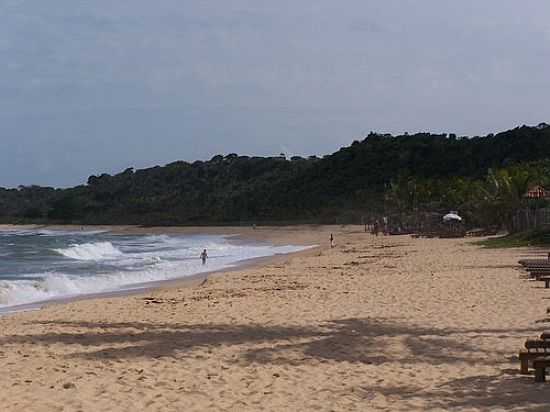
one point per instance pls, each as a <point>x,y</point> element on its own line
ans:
<point>452,216</point>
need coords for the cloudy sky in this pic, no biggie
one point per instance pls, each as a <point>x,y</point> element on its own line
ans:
<point>91,86</point>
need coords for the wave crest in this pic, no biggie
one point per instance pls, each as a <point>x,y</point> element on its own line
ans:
<point>91,251</point>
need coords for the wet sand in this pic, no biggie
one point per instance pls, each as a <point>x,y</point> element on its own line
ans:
<point>387,323</point>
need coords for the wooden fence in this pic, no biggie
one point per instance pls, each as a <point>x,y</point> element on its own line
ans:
<point>531,219</point>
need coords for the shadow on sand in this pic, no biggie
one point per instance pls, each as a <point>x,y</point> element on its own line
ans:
<point>356,341</point>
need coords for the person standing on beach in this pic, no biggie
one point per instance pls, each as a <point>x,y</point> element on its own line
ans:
<point>204,255</point>
<point>386,230</point>
<point>376,227</point>
<point>331,241</point>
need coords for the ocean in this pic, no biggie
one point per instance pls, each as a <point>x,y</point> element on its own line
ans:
<point>43,265</point>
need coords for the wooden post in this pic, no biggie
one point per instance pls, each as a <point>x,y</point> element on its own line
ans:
<point>540,374</point>
<point>524,365</point>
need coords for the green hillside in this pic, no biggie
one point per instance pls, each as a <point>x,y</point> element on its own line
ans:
<point>379,175</point>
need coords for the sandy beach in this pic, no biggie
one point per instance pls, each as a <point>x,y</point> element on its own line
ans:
<point>375,324</point>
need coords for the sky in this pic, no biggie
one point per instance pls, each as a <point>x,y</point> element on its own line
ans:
<point>96,86</point>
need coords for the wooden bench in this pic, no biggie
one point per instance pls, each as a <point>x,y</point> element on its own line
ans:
<point>546,280</point>
<point>527,262</point>
<point>534,349</point>
<point>537,269</point>
<point>543,276</point>
<point>538,273</point>
<point>526,357</point>
<point>540,364</point>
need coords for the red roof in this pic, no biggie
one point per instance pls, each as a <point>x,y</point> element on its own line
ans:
<point>537,192</point>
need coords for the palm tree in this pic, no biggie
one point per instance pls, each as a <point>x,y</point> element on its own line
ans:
<point>504,193</point>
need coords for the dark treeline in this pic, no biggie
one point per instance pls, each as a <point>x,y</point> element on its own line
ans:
<point>378,175</point>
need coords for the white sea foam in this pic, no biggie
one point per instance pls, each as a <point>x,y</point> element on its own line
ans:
<point>136,262</point>
<point>91,251</point>
<point>70,233</point>
<point>47,232</point>
<point>53,285</point>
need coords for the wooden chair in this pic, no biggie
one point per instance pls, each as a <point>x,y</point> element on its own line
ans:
<point>534,349</point>
<point>540,365</point>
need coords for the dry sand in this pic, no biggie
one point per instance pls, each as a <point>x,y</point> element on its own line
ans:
<point>387,323</point>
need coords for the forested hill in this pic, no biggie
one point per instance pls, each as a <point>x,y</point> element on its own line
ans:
<point>232,188</point>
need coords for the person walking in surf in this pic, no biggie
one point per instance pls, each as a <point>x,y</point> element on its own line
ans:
<point>204,255</point>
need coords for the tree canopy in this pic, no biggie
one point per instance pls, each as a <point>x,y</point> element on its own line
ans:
<point>402,173</point>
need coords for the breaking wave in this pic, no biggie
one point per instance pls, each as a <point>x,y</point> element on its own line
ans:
<point>43,267</point>
<point>91,251</point>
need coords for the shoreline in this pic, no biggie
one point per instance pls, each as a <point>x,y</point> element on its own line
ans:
<point>377,323</point>
<point>274,234</point>
<point>188,281</point>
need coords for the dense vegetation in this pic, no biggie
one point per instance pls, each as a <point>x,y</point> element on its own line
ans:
<point>483,177</point>
<point>528,238</point>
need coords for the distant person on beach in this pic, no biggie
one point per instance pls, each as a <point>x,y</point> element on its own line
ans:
<point>331,241</point>
<point>375,227</point>
<point>204,255</point>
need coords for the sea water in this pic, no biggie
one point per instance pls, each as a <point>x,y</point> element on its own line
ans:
<point>42,265</point>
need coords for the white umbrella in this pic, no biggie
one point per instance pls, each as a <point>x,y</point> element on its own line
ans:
<point>451,216</point>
